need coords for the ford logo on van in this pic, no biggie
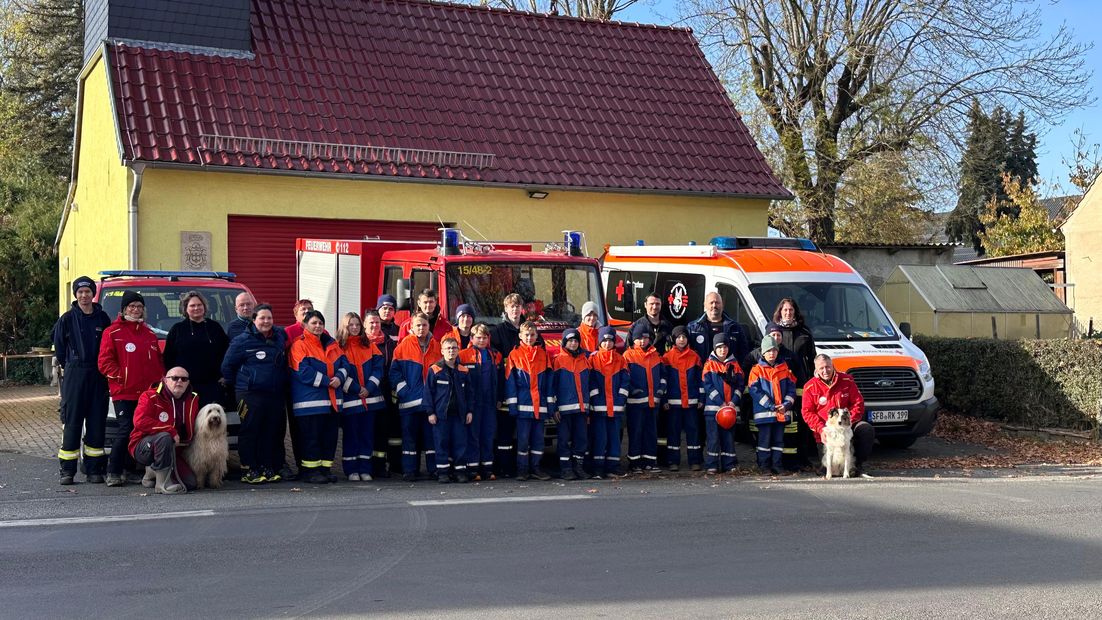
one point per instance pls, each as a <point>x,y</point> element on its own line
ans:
<point>884,383</point>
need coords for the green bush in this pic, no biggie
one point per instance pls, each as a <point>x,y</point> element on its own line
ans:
<point>1034,383</point>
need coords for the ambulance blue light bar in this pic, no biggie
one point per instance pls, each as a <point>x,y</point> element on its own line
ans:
<point>776,243</point>
<point>171,275</point>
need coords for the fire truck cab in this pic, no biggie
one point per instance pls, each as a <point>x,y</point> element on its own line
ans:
<point>554,279</point>
<point>752,275</point>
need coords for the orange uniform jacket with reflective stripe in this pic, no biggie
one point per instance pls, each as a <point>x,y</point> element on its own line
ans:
<point>533,362</point>
<point>589,337</point>
<point>683,364</point>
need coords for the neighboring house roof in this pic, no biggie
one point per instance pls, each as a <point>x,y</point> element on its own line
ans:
<point>957,288</point>
<point>1059,207</point>
<point>428,91</point>
<point>940,246</point>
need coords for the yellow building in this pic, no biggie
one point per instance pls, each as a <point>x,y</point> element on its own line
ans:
<point>212,142</point>
<point>1083,259</point>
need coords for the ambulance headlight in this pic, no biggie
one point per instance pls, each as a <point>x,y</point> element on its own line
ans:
<point>926,372</point>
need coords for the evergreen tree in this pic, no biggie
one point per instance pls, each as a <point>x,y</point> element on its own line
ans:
<point>41,55</point>
<point>997,144</point>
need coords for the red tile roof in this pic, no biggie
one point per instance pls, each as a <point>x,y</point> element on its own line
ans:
<point>442,91</point>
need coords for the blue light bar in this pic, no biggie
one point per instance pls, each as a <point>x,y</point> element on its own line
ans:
<point>122,273</point>
<point>777,243</point>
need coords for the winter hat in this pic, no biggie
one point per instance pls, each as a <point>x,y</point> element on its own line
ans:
<point>719,339</point>
<point>386,300</point>
<point>638,332</point>
<point>768,343</point>
<point>771,327</point>
<point>130,297</point>
<point>84,282</point>
<point>680,330</point>
<point>571,333</point>
<point>588,307</point>
<point>606,333</point>
<point>464,309</point>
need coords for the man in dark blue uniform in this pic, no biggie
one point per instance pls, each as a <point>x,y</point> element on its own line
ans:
<point>83,389</point>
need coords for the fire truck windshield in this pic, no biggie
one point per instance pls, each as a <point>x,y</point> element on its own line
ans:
<point>552,292</point>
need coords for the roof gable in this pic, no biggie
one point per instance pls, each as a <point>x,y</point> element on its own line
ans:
<point>403,88</point>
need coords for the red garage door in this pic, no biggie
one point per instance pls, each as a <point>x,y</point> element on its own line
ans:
<point>262,250</point>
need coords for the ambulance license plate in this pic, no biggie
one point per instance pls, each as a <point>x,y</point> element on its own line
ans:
<point>895,415</point>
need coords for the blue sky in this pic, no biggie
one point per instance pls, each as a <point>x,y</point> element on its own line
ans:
<point>1054,141</point>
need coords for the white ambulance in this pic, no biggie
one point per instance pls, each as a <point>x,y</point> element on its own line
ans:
<point>752,275</point>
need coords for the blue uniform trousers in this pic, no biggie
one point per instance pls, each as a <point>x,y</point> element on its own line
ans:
<point>681,419</point>
<point>450,437</point>
<point>319,439</point>
<point>480,440</point>
<point>505,450</point>
<point>719,451</point>
<point>642,437</point>
<point>605,442</point>
<point>357,442</point>
<point>417,434</point>
<point>770,444</point>
<point>529,444</point>
<point>573,439</point>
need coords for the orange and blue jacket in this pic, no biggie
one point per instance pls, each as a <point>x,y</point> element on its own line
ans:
<point>684,382</point>
<point>610,384</point>
<point>482,365</point>
<point>367,362</point>
<point>648,379</point>
<point>314,361</point>
<point>572,382</point>
<point>528,390</point>
<point>409,370</point>
<point>723,383</point>
<point>771,385</point>
<point>588,336</point>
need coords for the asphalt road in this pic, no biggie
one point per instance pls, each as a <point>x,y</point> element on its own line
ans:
<point>748,547</point>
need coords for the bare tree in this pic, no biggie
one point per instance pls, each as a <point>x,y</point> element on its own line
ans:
<point>592,9</point>
<point>843,81</point>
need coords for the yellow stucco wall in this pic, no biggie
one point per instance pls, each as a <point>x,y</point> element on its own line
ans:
<point>1083,259</point>
<point>175,200</point>
<point>96,234</point>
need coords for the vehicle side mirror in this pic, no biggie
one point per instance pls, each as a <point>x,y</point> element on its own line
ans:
<point>404,285</point>
<point>905,328</point>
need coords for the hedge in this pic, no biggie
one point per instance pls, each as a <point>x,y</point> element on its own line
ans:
<point>1033,383</point>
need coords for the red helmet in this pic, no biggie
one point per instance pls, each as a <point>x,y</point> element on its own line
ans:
<point>725,417</point>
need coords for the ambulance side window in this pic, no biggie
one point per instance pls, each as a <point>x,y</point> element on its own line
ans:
<point>737,310</point>
<point>626,292</point>
<point>682,296</point>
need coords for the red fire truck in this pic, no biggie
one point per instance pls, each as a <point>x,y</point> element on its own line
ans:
<point>553,277</point>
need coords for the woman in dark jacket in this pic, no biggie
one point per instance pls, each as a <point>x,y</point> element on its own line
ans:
<point>256,365</point>
<point>198,344</point>
<point>799,441</point>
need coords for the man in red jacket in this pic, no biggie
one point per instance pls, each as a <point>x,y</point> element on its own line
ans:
<point>164,422</point>
<point>830,389</point>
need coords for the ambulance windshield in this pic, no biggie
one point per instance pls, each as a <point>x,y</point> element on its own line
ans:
<point>832,310</point>
<point>553,293</point>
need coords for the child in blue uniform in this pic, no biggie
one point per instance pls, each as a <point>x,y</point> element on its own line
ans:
<point>611,384</point>
<point>772,387</point>
<point>572,385</point>
<point>448,391</point>
<point>723,383</point>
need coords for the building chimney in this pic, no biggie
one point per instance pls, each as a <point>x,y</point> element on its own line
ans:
<point>212,26</point>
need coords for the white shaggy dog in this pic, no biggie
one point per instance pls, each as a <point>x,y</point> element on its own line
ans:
<point>837,437</point>
<point>209,449</point>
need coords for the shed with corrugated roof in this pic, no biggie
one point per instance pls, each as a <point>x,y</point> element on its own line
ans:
<point>974,302</point>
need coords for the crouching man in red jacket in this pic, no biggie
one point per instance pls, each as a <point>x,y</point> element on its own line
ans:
<point>830,389</point>
<point>164,422</point>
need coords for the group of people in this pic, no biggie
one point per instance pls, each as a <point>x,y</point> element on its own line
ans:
<point>471,399</point>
